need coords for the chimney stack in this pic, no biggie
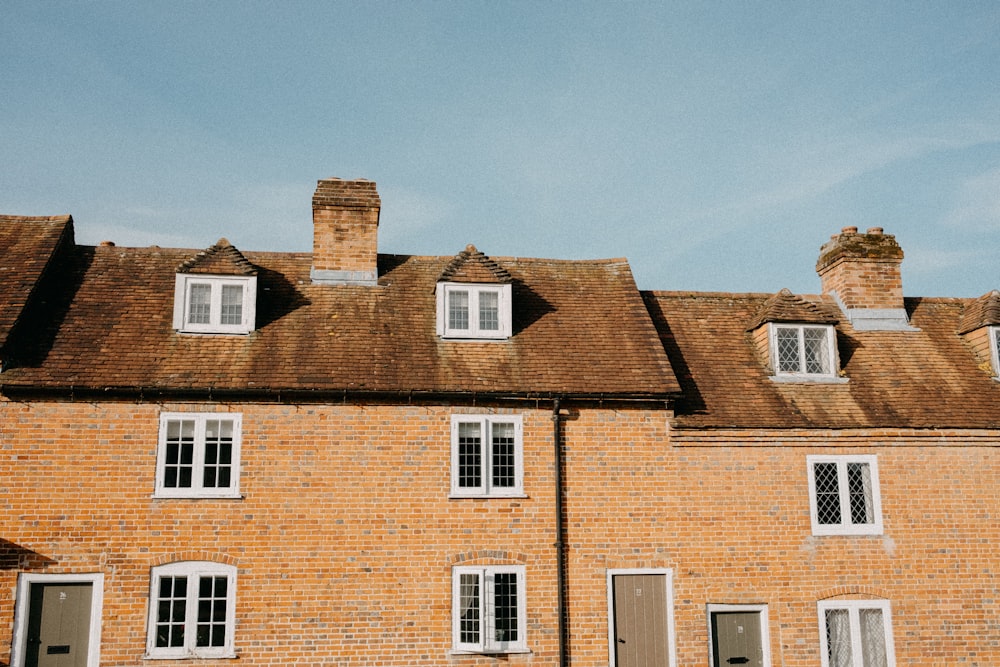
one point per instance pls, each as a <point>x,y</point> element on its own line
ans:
<point>345,232</point>
<point>862,272</point>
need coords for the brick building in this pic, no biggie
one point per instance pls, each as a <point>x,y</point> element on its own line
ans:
<point>347,458</point>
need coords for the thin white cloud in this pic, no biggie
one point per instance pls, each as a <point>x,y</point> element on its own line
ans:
<point>978,205</point>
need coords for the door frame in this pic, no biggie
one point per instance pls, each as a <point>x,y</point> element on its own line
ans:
<point>26,580</point>
<point>669,630</point>
<point>765,637</point>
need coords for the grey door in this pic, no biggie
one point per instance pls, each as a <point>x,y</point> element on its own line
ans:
<point>59,625</point>
<point>641,620</point>
<point>736,639</point>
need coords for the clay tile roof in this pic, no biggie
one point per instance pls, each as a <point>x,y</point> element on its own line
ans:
<point>923,378</point>
<point>580,328</point>
<point>984,311</point>
<point>786,307</point>
<point>472,266</point>
<point>221,259</point>
<point>27,245</point>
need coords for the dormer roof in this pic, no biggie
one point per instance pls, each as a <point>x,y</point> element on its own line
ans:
<point>787,307</point>
<point>221,259</point>
<point>984,311</point>
<point>472,266</point>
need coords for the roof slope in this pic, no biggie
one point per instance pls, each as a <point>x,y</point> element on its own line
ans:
<point>913,379</point>
<point>580,327</point>
<point>26,246</point>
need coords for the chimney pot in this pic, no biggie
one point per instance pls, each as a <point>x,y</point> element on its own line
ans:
<point>875,231</point>
<point>848,230</point>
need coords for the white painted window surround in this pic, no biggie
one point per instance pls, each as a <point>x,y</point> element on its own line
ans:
<point>489,609</point>
<point>804,352</point>
<point>856,633</point>
<point>487,456</point>
<point>212,304</point>
<point>474,311</point>
<point>844,494</point>
<point>191,611</point>
<point>995,351</point>
<point>198,455</point>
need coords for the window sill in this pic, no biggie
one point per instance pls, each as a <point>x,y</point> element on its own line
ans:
<point>192,656</point>
<point>809,379</point>
<point>487,496</point>
<point>848,532</point>
<point>511,651</point>
<point>160,496</point>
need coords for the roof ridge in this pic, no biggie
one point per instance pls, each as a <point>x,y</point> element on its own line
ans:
<point>471,265</point>
<point>221,255</point>
<point>784,306</point>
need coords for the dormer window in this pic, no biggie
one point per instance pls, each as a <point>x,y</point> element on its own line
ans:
<point>474,298</point>
<point>473,311</point>
<point>215,292</point>
<point>214,304</point>
<point>995,350</point>
<point>803,350</point>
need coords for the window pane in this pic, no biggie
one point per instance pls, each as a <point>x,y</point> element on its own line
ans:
<point>505,606</point>
<point>489,311</point>
<point>468,631</point>
<point>859,480</point>
<point>218,469</point>
<point>232,304</point>
<point>838,637</point>
<point>827,493</point>
<point>470,455</point>
<point>458,309</point>
<point>503,456</point>
<point>170,612</point>
<point>788,350</point>
<point>199,304</point>
<point>873,649</point>
<point>179,455</point>
<point>212,611</point>
<point>817,356</point>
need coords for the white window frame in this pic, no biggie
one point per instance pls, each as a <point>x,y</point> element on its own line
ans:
<point>19,645</point>
<point>182,292</point>
<point>854,607</point>
<point>846,526</point>
<point>486,489</point>
<point>193,570</point>
<point>487,610</point>
<point>831,351</point>
<point>197,488</point>
<point>474,290</point>
<point>995,351</point>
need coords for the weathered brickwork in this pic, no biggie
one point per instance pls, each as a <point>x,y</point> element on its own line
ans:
<point>344,538</point>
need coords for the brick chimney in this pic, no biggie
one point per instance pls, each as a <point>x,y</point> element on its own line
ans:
<point>862,272</point>
<point>345,232</point>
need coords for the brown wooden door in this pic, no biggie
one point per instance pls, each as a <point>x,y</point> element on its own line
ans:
<point>641,620</point>
<point>736,639</point>
<point>59,625</point>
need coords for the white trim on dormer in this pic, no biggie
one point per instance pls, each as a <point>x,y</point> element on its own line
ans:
<point>473,311</point>
<point>186,287</point>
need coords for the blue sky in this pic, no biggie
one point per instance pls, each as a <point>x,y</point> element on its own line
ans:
<point>715,145</point>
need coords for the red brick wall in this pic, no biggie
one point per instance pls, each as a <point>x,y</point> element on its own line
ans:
<point>345,538</point>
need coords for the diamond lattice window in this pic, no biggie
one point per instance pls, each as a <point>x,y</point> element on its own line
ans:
<point>844,495</point>
<point>805,350</point>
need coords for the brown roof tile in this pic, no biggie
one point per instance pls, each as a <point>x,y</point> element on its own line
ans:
<point>221,259</point>
<point>786,307</point>
<point>472,266</point>
<point>27,244</point>
<point>919,379</point>
<point>984,311</point>
<point>579,328</point>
